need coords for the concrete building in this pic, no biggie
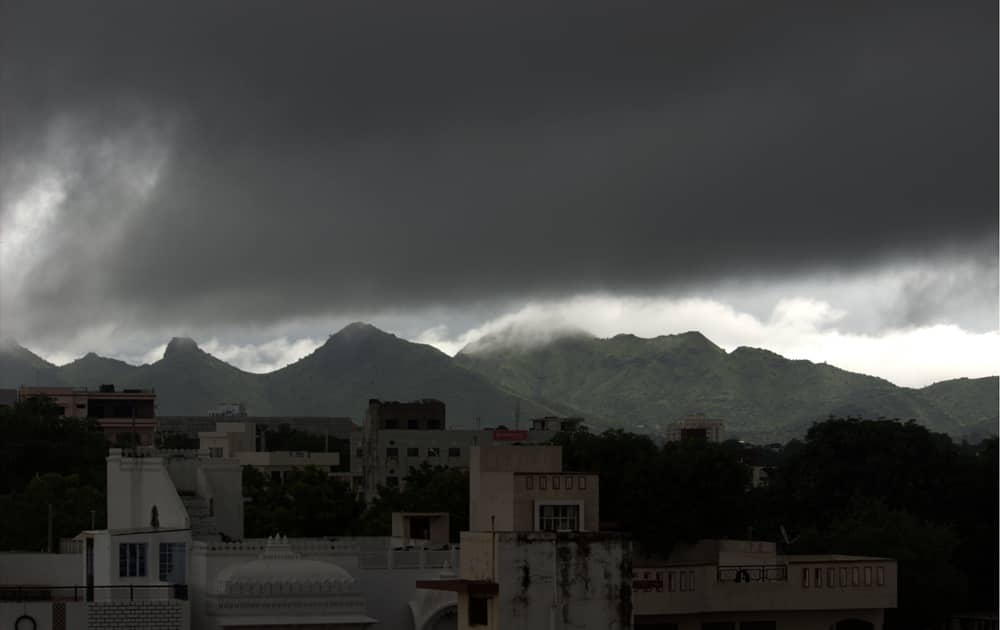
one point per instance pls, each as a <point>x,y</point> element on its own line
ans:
<point>747,585</point>
<point>119,413</point>
<point>696,427</point>
<point>398,436</point>
<point>335,427</point>
<point>533,558</point>
<point>239,441</point>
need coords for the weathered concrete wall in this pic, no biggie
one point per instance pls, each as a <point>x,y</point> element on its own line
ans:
<point>584,580</point>
<point>783,620</point>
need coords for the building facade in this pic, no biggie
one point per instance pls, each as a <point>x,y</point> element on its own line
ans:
<point>747,585</point>
<point>396,437</point>
<point>121,414</point>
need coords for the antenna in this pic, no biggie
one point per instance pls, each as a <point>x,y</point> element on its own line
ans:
<point>784,535</point>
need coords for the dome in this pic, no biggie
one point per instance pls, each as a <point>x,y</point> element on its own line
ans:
<point>279,570</point>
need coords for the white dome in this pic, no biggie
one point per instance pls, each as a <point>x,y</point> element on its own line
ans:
<point>279,570</point>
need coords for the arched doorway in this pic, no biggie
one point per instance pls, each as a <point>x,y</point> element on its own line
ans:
<point>446,618</point>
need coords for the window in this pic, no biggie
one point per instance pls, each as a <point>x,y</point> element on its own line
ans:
<point>433,423</point>
<point>172,558</point>
<point>412,424</point>
<point>215,451</point>
<point>843,576</point>
<point>412,451</point>
<point>569,483</point>
<point>392,451</point>
<point>855,576</point>
<point>671,585</point>
<point>805,578</point>
<point>392,482</point>
<point>529,482</point>
<point>868,576</point>
<point>454,451</point>
<point>392,423</point>
<point>581,482</point>
<point>434,452</point>
<point>542,483</point>
<point>684,581</point>
<point>818,577</point>
<point>831,577</point>
<point>556,518</point>
<point>132,560</point>
<point>555,483</point>
<point>880,576</point>
<point>360,452</point>
<point>479,611</point>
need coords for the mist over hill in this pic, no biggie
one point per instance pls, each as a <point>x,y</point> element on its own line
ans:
<point>624,381</point>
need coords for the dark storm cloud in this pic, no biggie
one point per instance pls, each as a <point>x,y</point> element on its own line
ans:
<point>336,156</point>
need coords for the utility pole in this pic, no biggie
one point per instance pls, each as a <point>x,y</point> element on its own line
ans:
<point>49,537</point>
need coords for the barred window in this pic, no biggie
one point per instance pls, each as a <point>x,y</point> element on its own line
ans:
<point>556,518</point>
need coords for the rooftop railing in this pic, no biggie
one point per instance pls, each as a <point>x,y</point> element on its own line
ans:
<point>104,592</point>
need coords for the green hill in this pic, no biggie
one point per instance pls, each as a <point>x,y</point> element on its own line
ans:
<point>625,381</point>
<point>643,384</point>
<point>357,363</point>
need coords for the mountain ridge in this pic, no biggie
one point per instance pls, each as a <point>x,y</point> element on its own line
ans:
<point>625,381</point>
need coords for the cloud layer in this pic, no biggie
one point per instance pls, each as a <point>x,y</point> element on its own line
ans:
<point>217,165</point>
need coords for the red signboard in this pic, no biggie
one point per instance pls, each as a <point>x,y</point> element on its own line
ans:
<point>506,435</point>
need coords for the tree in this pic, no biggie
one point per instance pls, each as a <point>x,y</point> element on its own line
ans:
<point>307,503</point>
<point>426,489</point>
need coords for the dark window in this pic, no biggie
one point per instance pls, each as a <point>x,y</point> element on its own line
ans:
<point>805,578</point>
<point>758,625</point>
<point>412,451</point>
<point>581,483</point>
<point>868,576</point>
<point>360,452</point>
<point>412,424</point>
<point>433,423</point>
<point>831,577</point>
<point>559,518</point>
<point>855,576</point>
<point>172,558</point>
<point>569,483</point>
<point>132,560</point>
<point>718,625</point>
<point>818,577</point>
<point>391,423</point>
<point>392,482</point>
<point>542,483</point>
<point>392,451</point>
<point>843,576</point>
<point>454,451</point>
<point>880,576</point>
<point>81,406</point>
<point>479,611</point>
<point>555,483</point>
<point>529,482</point>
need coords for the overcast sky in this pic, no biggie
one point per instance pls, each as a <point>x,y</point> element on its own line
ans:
<point>819,179</point>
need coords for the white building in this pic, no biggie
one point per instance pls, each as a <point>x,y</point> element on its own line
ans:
<point>736,584</point>
<point>535,559</point>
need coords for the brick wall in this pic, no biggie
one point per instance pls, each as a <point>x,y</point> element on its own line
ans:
<point>128,615</point>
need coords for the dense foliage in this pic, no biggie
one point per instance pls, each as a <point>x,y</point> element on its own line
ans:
<point>48,460</point>
<point>879,488</point>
